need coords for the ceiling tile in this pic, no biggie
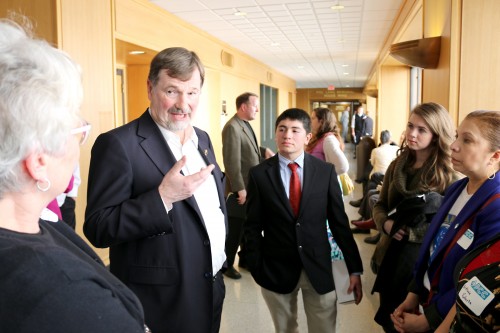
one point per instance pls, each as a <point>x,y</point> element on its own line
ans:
<point>309,34</point>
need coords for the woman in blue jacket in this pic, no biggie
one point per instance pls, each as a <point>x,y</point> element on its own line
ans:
<point>469,216</point>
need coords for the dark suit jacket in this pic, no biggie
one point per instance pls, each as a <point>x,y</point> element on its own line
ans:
<point>291,244</point>
<point>368,126</point>
<point>164,258</point>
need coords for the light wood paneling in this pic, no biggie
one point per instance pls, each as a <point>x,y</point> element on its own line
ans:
<point>88,39</point>
<point>437,22</point>
<point>393,99</point>
<point>480,56</point>
<point>137,93</point>
<point>42,13</point>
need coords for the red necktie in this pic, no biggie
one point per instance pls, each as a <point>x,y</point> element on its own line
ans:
<point>294,188</point>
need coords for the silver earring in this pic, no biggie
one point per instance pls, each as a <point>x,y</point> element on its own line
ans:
<point>492,176</point>
<point>43,189</point>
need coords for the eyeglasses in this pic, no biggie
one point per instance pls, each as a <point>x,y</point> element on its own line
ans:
<point>84,130</point>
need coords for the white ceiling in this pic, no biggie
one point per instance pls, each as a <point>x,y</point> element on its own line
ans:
<point>317,47</point>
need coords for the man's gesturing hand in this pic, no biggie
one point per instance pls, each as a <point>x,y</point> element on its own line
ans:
<point>176,187</point>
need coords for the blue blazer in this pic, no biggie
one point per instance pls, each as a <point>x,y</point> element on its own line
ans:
<point>485,225</point>
<point>164,258</point>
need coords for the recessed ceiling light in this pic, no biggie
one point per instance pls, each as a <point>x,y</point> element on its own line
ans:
<point>136,52</point>
<point>300,67</point>
<point>238,13</point>
<point>275,44</point>
<point>345,73</point>
<point>345,65</point>
<point>337,7</point>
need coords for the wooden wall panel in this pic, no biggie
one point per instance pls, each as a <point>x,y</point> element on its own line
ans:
<point>393,99</point>
<point>480,56</point>
<point>437,22</point>
<point>88,39</point>
<point>42,13</point>
<point>137,92</point>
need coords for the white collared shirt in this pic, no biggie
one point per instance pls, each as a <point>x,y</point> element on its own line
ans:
<point>206,195</point>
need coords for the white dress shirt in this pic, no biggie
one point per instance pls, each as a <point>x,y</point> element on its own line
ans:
<point>206,195</point>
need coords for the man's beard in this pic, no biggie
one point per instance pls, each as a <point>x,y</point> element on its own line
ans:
<point>178,125</point>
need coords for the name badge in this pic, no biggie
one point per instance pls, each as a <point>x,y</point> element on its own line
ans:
<point>466,240</point>
<point>476,296</point>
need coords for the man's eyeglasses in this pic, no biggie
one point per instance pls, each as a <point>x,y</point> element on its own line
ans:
<point>84,130</point>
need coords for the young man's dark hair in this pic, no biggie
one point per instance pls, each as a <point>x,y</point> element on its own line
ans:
<point>295,114</point>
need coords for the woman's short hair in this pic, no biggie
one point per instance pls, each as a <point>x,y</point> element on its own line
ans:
<point>385,136</point>
<point>489,122</point>
<point>40,97</point>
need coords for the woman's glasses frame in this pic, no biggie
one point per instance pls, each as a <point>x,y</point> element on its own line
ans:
<point>85,130</point>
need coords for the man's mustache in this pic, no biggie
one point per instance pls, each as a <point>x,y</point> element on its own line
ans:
<point>176,110</point>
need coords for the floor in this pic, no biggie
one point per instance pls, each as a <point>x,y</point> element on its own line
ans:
<point>246,312</point>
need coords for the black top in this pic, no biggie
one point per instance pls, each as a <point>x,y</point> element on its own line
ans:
<point>54,282</point>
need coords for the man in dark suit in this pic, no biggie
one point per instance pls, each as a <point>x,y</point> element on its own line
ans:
<point>367,125</point>
<point>240,152</point>
<point>156,198</point>
<point>288,249</point>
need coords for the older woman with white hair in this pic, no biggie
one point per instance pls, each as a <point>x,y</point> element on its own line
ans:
<point>50,280</point>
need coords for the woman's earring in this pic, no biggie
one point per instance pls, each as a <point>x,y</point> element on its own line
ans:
<point>43,189</point>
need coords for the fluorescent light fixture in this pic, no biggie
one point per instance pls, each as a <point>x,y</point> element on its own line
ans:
<point>337,7</point>
<point>238,13</point>
<point>275,44</point>
<point>136,52</point>
<point>300,67</point>
<point>345,65</point>
<point>345,73</point>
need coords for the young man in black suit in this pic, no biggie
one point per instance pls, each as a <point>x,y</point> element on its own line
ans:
<point>287,248</point>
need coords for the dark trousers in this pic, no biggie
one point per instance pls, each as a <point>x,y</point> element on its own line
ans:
<point>234,239</point>
<point>219,293</point>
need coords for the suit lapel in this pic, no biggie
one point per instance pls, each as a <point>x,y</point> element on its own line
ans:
<point>153,144</point>
<point>208,156</point>
<point>157,149</point>
<point>248,134</point>
<point>274,177</point>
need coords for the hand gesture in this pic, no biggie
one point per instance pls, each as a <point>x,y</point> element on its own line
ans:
<point>177,187</point>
